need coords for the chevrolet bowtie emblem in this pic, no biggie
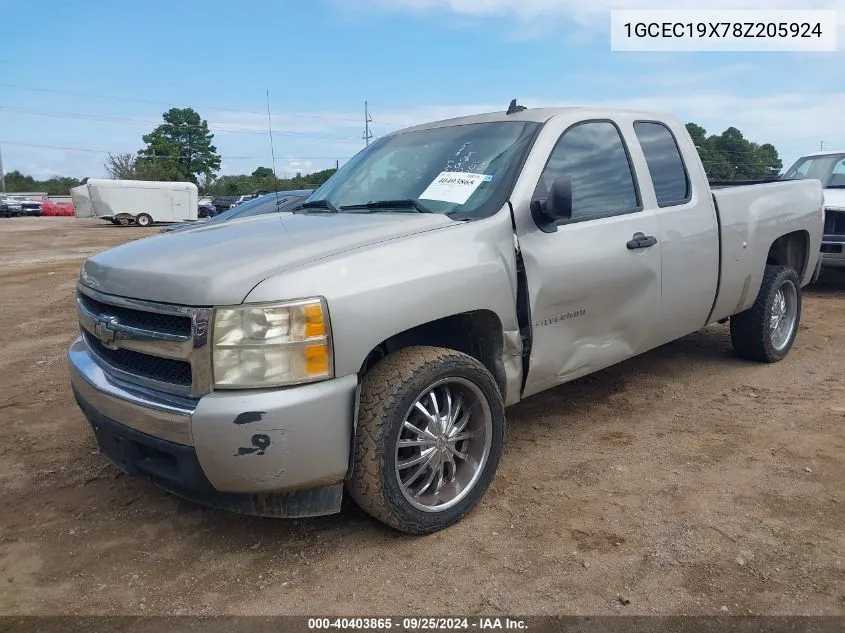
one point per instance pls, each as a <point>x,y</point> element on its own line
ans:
<point>104,329</point>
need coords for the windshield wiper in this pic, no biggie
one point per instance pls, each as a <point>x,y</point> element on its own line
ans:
<point>408,203</point>
<point>319,204</point>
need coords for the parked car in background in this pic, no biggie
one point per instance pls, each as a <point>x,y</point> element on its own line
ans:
<point>242,199</point>
<point>206,210</point>
<point>13,205</point>
<point>370,341</point>
<point>280,202</point>
<point>223,203</point>
<point>829,168</point>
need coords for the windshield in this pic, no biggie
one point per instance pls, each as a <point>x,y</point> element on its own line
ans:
<point>829,168</point>
<point>466,170</point>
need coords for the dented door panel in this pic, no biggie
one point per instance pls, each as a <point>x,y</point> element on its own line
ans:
<point>594,302</point>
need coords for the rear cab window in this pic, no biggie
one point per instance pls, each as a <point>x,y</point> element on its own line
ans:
<point>665,163</point>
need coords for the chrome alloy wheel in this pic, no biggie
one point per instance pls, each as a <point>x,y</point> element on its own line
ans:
<point>783,315</point>
<point>444,444</point>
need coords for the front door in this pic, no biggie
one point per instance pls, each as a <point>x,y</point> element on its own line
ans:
<point>594,289</point>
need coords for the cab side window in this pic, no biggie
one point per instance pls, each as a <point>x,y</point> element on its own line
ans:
<point>671,184</point>
<point>593,155</point>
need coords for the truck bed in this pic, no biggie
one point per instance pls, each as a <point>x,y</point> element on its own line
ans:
<point>724,184</point>
<point>751,217</point>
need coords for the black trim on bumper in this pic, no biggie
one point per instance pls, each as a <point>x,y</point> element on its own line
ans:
<point>176,469</point>
<point>137,453</point>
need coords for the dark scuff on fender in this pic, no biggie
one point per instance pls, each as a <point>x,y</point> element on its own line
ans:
<point>248,417</point>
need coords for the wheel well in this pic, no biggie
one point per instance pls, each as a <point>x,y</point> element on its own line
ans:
<point>477,334</point>
<point>790,250</point>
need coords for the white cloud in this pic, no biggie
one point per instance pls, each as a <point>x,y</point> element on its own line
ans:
<point>591,13</point>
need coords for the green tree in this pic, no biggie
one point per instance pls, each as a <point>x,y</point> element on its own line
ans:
<point>730,156</point>
<point>697,133</point>
<point>262,173</point>
<point>16,182</point>
<point>181,148</point>
<point>121,166</point>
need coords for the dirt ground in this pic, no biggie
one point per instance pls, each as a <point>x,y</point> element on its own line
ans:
<point>685,481</point>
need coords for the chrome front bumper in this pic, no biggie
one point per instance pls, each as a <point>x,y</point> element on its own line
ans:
<point>254,442</point>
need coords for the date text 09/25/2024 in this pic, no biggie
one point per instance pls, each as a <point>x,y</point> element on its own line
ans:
<point>417,624</point>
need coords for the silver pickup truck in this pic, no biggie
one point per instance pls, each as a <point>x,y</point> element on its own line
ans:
<point>370,341</point>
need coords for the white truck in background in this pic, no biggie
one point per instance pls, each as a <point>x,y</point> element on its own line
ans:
<point>829,168</point>
<point>140,201</point>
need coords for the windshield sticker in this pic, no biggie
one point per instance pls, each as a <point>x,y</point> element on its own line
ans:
<point>453,186</point>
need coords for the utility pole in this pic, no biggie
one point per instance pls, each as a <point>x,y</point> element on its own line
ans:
<point>367,120</point>
<point>821,146</point>
<point>2,176</point>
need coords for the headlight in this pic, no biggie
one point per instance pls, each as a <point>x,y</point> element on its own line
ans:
<point>271,345</point>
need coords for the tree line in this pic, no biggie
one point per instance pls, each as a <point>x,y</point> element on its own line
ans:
<point>181,149</point>
<point>730,156</point>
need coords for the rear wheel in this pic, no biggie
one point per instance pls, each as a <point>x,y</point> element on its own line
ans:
<point>430,430</point>
<point>143,220</point>
<point>766,331</point>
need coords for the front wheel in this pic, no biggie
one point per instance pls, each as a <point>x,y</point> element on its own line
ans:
<point>431,426</point>
<point>143,220</point>
<point>766,331</point>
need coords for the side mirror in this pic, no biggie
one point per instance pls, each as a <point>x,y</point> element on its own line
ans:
<point>556,207</point>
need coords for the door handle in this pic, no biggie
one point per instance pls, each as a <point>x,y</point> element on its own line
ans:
<point>640,240</point>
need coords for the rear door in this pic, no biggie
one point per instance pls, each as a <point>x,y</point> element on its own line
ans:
<point>594,292</point>
<point>181,201</point>
<point>679,197</point>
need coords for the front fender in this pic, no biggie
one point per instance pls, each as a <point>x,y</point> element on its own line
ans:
<point>380,290</point>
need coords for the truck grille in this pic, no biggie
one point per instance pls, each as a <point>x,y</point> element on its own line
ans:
<point>165,370</point>
<point>169,324</point>
<point>834,222</point>
<point>159,346</point>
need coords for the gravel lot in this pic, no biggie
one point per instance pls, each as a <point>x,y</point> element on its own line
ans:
<point>684,481</point>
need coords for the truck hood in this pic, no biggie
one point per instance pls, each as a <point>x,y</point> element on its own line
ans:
<point>220,264</point>
<point>834,199</point>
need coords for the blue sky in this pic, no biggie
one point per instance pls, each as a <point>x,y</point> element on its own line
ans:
<point>413,60</point>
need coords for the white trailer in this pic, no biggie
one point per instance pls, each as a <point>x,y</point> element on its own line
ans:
<point>140,201</point>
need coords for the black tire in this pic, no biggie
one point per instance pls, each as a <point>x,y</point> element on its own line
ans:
<point>124,221</point>
<point>143,220</point>
<point>750,332</point>
<point>388,391</point>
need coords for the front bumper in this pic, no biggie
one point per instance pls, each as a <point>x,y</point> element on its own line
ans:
<point>833,251</point>
<point>248,451</point>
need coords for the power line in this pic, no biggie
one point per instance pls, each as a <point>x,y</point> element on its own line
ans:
<point>106,151</point>
<point>137,121</point>
<point>172,105</point>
